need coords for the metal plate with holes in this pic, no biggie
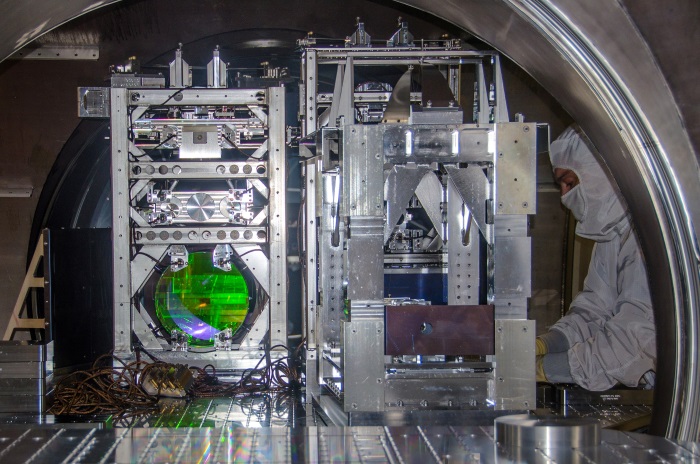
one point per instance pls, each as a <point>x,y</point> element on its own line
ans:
<point>197,96</point>
<point>363,177</point>
<point>364,368</point>
<point>438,390</point>
<point>516,160</point>
<point>232,442</point>
<point>199,142</point>
<point>198,170</point>
<point>515,361</point>
<point>194,235</point>
<point>93,102</point>
<point>58,52</point>
<point>136,80</point>
<point>449,144</point>
<point>440,330</point>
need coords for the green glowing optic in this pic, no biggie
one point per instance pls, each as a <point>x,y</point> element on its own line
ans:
<point>201,300</point>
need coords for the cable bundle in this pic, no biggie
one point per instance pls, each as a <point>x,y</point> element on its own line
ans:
<point>103,389</point>
<point>275,376</point>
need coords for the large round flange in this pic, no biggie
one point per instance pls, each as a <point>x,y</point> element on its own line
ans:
<point>526,431</point>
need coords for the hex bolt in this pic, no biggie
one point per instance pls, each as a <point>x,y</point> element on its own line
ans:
<point>424,403</point>
<point>354,405</point>
<point>526,129</point>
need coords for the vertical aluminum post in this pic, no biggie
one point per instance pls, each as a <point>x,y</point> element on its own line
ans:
<point>120,221</point>
<point>278,217</point>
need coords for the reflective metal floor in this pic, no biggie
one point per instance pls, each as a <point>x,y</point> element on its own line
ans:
<point>315,444</point>
<point>276,410</point>
<point>282,428</point>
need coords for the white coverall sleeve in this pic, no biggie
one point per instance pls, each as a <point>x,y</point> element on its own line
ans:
<point>610,325</point>
<point>592,307</point>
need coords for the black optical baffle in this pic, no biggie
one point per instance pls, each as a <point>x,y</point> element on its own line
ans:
<point>80,295</point>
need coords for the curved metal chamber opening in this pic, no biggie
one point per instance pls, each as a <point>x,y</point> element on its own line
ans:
<point>602,71</point>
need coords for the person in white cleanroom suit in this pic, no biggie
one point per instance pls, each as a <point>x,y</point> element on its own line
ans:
<point>608,335</point>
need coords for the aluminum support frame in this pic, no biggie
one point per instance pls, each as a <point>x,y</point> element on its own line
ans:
<point>270,328</point>
<point>478,199</point>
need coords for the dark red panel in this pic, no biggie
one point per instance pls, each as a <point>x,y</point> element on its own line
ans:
<point>439,330</point>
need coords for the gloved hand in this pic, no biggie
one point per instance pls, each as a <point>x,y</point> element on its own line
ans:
<point>540,347</point>
<point>539,369</point>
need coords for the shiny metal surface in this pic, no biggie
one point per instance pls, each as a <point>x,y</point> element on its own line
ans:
<point>279,279</point>
<point>200,207</point>
<point>267,266</point>
<point>433,144</point>
<point>514,378</point>
<point>621,417</point>
<point>608,80</point>
<point>400,185</point>
<point>546,433</point>
<point>651,130</point>
<point>318,444</point>
<point>368,390</point>
<point>397,110</point>
<point>22,25</point>
<point>122,294</point>
<point>516,169</point>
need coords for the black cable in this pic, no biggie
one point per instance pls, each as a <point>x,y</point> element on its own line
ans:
<point>137,157</point>
<point>158,266</point>
<point>232,144</point>
<point>131,199</point>
<point>140,347</point>
<point>130,135</point>
<point>174,94</point>
<point>170,137</point>
<point>248,252</point>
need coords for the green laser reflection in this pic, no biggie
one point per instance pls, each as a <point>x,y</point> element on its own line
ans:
<point>201,299</point>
